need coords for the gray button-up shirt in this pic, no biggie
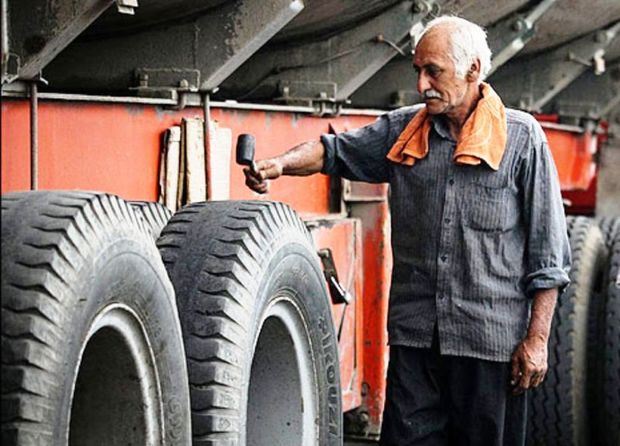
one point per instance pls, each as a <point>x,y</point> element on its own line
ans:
<point>470,244</point>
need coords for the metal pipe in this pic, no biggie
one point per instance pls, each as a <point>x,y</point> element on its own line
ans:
<point>206,103</point>
<point>191,102</point>
<point>4,21</point>
<point>34,136</point>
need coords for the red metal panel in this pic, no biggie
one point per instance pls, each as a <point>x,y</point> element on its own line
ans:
<point>115,148</point>
<point>15,146</point>
<point>377,267</point>
<point>573,153</point>
<point>343,237</point>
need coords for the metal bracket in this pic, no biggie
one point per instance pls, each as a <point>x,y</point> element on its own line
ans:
<point>509,36</point>
<point>10,67</point>
<point>166,83</point>
<point>306,92</point>
<point>319,95</point>
<point>127,6</point>
<point>336,290</point>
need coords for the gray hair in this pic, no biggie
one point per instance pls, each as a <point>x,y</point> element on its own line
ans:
<point>469,42</point>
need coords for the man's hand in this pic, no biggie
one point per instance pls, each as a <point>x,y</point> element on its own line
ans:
<point>266,170</point>
<point>529,364</point>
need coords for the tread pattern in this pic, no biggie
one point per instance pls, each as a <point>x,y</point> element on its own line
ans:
<point>610,226</point>
<point>609,388</point>
<point>46,236</point>
<point>218,274</point>
<point>155,215</point>
<point>557,407</point>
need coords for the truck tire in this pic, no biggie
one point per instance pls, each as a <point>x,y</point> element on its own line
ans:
<point>155,215</point>
<point>262,353</point>
<point>610,226</point>
<point>609,388</point>
<point>92,351</point>
<point>558,408</point>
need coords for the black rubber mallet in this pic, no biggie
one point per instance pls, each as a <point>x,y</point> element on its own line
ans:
<point>246,145</point>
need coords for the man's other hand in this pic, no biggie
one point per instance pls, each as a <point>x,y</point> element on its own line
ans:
<point>529,364</point>
<point>268,169</point>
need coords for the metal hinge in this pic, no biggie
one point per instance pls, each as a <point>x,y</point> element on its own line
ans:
<point>338,293</point>
<point>127,6</point>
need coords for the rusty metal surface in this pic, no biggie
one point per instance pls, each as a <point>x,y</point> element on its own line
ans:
<point>330,69</point>
<point>569,19</point>
<point>377,274</point>
<point>215,43</point>
<point>343,237</point>
<point>38,30</point>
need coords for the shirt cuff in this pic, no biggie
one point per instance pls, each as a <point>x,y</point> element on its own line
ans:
<point>546,278</point>
<point>329,156</point>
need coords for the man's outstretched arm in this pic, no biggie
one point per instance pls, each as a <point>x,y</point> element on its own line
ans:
<point>303,159</point>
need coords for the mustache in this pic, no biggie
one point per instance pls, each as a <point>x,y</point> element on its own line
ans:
<point>431,94</point>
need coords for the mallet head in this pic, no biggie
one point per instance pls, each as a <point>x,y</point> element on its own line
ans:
<point>246,146</point>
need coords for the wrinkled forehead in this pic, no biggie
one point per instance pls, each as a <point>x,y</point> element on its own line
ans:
<point>434,47</point>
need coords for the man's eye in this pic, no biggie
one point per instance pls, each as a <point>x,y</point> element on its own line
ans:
<point>434,72</point>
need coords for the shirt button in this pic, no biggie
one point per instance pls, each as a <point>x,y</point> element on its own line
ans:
<point>444,258</point>
<point>451,181</point>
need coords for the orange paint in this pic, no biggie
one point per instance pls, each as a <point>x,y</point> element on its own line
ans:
<point>343,237</point>
<point>573,154</point>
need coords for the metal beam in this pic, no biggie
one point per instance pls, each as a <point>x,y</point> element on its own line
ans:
<point>191,55</point>
<point>508,37</point>
<point>590,96</point>
<point>35,31</point>
<point>330,70</point>
<point>531,83</point>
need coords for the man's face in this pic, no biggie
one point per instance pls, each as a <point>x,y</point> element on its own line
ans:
<point>441,89</point>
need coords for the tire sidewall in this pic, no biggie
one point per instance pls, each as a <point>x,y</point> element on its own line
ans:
<point>293,272</point>
<point>125,273</point>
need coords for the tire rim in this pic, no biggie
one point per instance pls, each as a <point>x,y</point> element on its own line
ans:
<point>116,397</point>
<point>282,403</point>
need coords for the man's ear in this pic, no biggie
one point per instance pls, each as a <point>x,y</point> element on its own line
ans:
<point>474,71</point>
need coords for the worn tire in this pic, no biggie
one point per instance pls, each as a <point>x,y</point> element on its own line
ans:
<point>92,351</point>
<point>608,394</point>
<point>155,215</point>
<point>261,348</point>
<point>609,226</point>
<point>558,409</point>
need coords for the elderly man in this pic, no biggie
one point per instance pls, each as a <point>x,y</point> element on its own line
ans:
<point>479,243</point>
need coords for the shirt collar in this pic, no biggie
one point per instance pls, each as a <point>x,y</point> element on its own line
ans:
<point>441,127</point>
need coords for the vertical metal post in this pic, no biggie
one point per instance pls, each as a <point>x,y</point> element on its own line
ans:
<point>34,136</point>
<point>207,139</point>
<point>4,23</point>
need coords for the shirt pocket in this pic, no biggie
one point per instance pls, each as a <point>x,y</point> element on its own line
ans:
<point>490,209</point>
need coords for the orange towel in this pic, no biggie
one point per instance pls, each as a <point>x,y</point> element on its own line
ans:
<point>483,137</point>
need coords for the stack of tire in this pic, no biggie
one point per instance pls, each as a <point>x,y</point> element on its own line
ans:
<point>579,402</point>
<point>227,340</point>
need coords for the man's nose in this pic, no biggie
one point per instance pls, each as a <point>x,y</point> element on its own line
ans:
<point>423,83</point>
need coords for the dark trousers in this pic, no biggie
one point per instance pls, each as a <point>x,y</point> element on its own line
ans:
<point>448,400</point>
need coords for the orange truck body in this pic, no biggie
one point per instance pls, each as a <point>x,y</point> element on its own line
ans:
<point>115,147</point>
